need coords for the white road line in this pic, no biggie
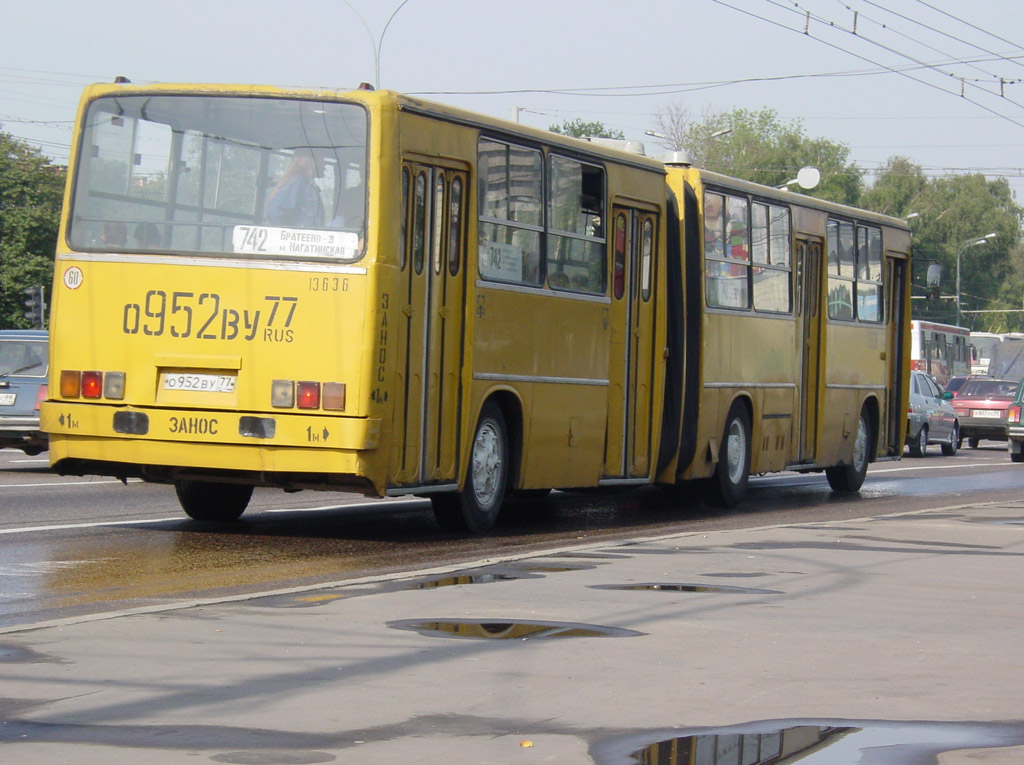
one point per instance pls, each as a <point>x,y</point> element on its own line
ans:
<point>92,525</point>
<point>65,483</point>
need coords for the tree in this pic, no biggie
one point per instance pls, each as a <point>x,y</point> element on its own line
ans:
<point>31,192</point>
<point>756,146</point>
<point>580,129</point>
<point>950,212</point>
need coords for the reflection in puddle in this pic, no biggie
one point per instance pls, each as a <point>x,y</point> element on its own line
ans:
<point>497,630</point>
<point>813,742</point>
<point>451,581</point>
<point>669,587</point>
<point>551,568</point>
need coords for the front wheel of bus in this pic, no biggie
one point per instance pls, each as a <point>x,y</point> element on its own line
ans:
<point>849,478</point>
<point>209,501</point>
<point>729,483</point>
<point>476,507</point>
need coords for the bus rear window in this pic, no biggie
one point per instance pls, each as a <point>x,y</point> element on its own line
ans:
<point>257,177</point>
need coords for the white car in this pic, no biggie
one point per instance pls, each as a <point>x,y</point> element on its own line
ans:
<point>931,419</point>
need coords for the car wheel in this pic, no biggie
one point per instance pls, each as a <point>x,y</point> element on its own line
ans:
<point>949,449</point>
<point>973,442</point>
<point>919,448</point>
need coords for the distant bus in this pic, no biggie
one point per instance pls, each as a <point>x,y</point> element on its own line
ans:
<point>941,350</point>
<point>997,354</point>
<point>364,291</point>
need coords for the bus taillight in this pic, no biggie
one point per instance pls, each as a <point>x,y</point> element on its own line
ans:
<point>308,394</point>
<point>91,384</point>
<point>1014,414</point>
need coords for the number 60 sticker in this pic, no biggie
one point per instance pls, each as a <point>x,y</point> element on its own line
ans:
<point>73,278</point>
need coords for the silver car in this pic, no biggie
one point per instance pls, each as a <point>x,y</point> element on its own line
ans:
<point>930,418</point>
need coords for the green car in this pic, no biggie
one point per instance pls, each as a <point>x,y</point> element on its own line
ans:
<point>1015,425</point>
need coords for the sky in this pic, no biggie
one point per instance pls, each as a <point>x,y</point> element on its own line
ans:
<point>938,81</point>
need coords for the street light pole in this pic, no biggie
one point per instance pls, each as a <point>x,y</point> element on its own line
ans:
<point>966,245</point>
<point>376,42</point>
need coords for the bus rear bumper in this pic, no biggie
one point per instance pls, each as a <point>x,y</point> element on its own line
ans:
<point>288,450</point>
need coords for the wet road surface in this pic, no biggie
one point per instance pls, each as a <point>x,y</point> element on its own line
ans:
<point>74,546</point>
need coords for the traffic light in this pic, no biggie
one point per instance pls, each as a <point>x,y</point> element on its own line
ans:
<point>36,306</point>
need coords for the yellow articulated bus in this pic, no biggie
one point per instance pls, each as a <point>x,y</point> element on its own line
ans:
<point>364,291</point>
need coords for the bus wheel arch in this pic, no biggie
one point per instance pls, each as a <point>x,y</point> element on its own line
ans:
<point>488,472</point>
<point>729,482</point>
<point>849,478</point>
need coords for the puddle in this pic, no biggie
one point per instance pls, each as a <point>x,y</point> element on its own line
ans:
<point>751,575</point>
<point>670,587</point>
<point>451,581</point>
<point>274,757</point>
<point>813,742</point>
<point>551,568</point>
<point>13,654</point>
<point>497,630</point>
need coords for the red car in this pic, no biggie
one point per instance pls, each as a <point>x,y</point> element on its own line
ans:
<point>981,406</point>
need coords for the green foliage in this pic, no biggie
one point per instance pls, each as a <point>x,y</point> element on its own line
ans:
<point>580,129</point>
<point>954,211</point>
<point>760,148</point>
<point>31,192</point>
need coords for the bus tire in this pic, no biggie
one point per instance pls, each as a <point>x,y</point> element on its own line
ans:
<point>973,442</point>
<point>849,478</point>
<point>210,501</point>
<point>729,483</point>
<point>476,507</point>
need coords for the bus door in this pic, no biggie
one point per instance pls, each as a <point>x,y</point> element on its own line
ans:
<point>632,353</point>
<point>427,422</point>
<point>810,264</point>
<point>896,265</point>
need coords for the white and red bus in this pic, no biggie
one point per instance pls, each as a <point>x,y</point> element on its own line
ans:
<point>941,350</point>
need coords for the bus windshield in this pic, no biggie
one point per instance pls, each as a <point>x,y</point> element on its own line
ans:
<point>218,174</point>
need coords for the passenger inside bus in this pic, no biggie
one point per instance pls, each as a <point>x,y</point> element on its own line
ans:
<point>295,199</point>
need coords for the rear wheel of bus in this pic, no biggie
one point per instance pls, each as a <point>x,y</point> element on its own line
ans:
<point>476,507</point>
<point>729,483</point>
<point>210,501</point>
<point>849,478</point>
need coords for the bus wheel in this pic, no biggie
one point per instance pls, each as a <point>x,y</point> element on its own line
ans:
<point>209,501</point>
<point>849,478</point>
<point>729,483</point>
<point>476,507</point>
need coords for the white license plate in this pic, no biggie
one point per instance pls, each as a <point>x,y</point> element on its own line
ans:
<point>992,413</point>
<point>7,399</point>
<point>198,382</point>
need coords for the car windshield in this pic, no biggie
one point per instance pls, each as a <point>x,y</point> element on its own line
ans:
<point>22,357</point>
<point>994,388</point>
<point>955,383</point>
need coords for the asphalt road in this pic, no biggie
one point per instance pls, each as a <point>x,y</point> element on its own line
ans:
<point>76,546</point>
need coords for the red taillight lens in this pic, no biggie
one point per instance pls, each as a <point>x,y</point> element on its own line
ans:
<point>307,395</point>
<point>1014,414</point>
<point>92,384</point>
<point>41,395</point>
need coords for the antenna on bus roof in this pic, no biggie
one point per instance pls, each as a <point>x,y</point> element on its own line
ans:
<point>365,86</point>
<point>121,80</point>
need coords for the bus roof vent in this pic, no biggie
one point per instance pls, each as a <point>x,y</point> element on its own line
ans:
<point>633,147</point>
<point>677,158</point>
